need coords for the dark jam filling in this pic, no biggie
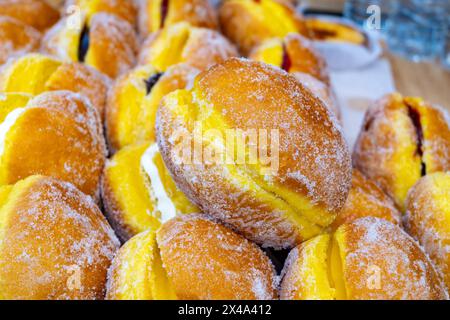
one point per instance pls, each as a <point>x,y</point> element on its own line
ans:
<point>164,11</point>
<point>368,124</point>
<point>286,62</point>
<point>321,34</point>
<point>84,44</point>
<point>278,257</point>
<point>414,115</point>
<point>150,82</point>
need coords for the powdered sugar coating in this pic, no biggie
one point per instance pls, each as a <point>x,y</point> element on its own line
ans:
<point>55,243</point>
<point>197,13</point>
<point>383,262</point>
<point>314,160</point>
<point>427,218</point>
<point>205,260</point>
<point>366,199</point>
<point>388,149</point>
<point>113,43</point>
<point>16,38</point>
<point>65,141</point>
<point>36,13</point>
<point>201,48</point>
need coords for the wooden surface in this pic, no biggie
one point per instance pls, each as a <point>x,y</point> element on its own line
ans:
<point>427,80</point>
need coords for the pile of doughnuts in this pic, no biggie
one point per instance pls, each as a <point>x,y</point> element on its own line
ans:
<point>129,168</point>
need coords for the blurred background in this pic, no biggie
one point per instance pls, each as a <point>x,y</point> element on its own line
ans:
<point>414,31</point>
<point>377,46</point>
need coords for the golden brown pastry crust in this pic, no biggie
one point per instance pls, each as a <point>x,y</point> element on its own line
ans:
<point>198,13</point>
<point>35,13</point>
<point>321,90</point>
<point>402,139</point>
<point>298,55</point>
<point>428,218</point>
<point>124,9</point>
<point>112,48</point>
<point>366,199</point>
<point>244,26</point>
<point>314,161</point>
<point>205,260</point>
<point>378,261</point>
<point>392,250</point>
<point>36,73</point>
<point>120,96</point>
<point>16,38</point>
<point>201,48</point>
<point>83,79</point>
<point>55,243</point>
<point>65,141</point>
<point>113,45</point>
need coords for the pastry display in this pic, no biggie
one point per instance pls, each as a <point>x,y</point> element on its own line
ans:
<point>215,263</point>
<point>38,14</point>
<point>158,14</point>
<point>401,140</point>
<point>296,55</point>
<point>134,100</point>
<point>274,205</point>
<point>247,22</point>
<point>105,42</point>
<point>366,199</point>
<point>16,38</point>
<point>138,192</point>
<point>195,150</point>
<point>182,43</point>
<point>428,218</point>
<point>369,258</point>
<point>36,73</point>
<point>124,9</point>
<point>54,242</point>
<point>57,134</point>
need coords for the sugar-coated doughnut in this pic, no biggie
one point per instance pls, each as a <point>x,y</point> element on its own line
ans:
<point>366,199</point>
<point>134,99</point>
<point>158,14</point>
<point>38,14</point>
<point>401,140</point>
<point>368,259</point>
<point>54,242</point>
<point>138,192</point>
<point>16,38</point>
<point>322,90</point>
<point>124,9</point>
<point>182,43</point>
<point>277,204</point>
<point>105,42</point>
<point>57,134</point>
<point>428,218</point>
<point>248,22</point>
<point>295,54</point>
<point>137,272</point>
<point>36,73</point>
<point>192,257</point>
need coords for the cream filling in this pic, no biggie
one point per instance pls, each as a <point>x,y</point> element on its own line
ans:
<point>6,125</point>
<point>164,204</point>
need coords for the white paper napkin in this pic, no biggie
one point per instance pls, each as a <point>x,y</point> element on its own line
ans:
<point>357,89</point>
